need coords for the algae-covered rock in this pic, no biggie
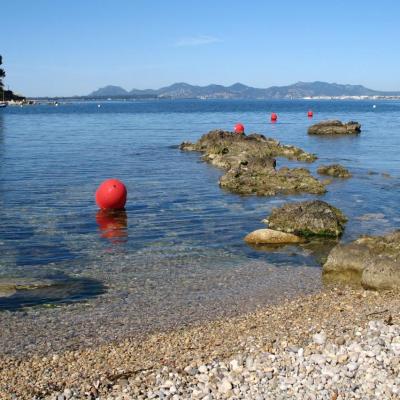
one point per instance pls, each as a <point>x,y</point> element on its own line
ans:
<point>251,166</point>
<point>308,218</point>
<point>335,170</point>
<point>234,146</point>
<point>270,182</point>
<point>270,236</point>
<point>372,260</point>
<point>335,127</point>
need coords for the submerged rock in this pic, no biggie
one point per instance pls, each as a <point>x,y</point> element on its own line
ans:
<point>308,218</point>
<point>9,286</point>
<point>334,170</point>
<point>270,236</point>
<point>7,291</point>
<point>374,261</point>
<point>335,127</point>
<point>250,164</point>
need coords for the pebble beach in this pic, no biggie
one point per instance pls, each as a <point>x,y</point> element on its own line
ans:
<point>340,343</point>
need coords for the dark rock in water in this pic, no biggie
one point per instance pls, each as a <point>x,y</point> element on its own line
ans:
<point>334,170</point>
<point>372,260</point>
<point>308,218</point>
<point>250,164</point>
<point>335,127</point>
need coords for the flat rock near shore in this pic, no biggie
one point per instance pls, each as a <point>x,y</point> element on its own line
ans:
<point>374,261</point>
<point>250,164</point>
<point>270,236</point>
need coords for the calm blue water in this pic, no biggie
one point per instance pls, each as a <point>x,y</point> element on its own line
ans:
<point>53,158</point>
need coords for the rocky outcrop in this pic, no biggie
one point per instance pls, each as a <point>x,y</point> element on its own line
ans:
<point>335,127</point>
<point>334,170</point>
<point>219,143</point>
<point>374,261</point>
<point>251,166</point>
<point>270,236</point>
<point>270,182</point>
<point>307,219</point>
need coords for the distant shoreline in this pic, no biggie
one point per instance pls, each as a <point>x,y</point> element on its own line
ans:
<point>118,98</point>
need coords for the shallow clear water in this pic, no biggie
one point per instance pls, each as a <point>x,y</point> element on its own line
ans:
<point>178,225</point>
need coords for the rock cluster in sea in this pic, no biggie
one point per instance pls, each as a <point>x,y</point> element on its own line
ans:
<point>372,260</point>
<point>335,170</point>
<point>250,164</point>
<point>335,127</point>
<point>362,364</point>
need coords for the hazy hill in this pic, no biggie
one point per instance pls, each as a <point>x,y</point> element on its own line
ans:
<point>109,91</point>
<point>183,90</point>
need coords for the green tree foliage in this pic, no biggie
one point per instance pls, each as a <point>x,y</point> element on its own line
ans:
<point>2,72</point>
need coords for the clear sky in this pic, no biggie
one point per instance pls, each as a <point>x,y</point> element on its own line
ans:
<point>72,47</point>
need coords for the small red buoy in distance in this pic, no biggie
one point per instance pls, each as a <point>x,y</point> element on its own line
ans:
<point>274,117</point>
<point>310,114</point>
<point>111,195</point>
<point>239,128</point>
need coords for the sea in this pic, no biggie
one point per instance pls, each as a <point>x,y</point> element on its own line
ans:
<point>179,242</point>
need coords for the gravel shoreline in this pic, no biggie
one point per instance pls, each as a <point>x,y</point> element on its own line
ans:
<point>284,351</point>
<point>139,302</point>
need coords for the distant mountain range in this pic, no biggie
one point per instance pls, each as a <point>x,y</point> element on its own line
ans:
<point>239,91</point>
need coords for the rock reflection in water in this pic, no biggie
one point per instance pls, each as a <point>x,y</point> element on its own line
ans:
<point>113,225</point>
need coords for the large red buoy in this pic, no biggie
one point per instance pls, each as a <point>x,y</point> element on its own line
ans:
<point>239,128</point>
<point>274,117</point>
<point>310,114</point>
<point>111,195</point>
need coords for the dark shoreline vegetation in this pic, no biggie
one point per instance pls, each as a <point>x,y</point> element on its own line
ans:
<point>7,95</point>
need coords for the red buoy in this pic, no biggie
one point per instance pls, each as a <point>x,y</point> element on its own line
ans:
<point>111,195</point>
<point>274,117</point>
<point>310,114</point>
<point>239,128</point>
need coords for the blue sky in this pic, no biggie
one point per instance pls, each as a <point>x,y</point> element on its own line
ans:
<point>75,46</point>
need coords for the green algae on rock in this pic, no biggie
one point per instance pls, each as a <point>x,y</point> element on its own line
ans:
<point>335,170</point>
<point>308,219</point>
<point>372,260</point>
<point>250,164</point>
